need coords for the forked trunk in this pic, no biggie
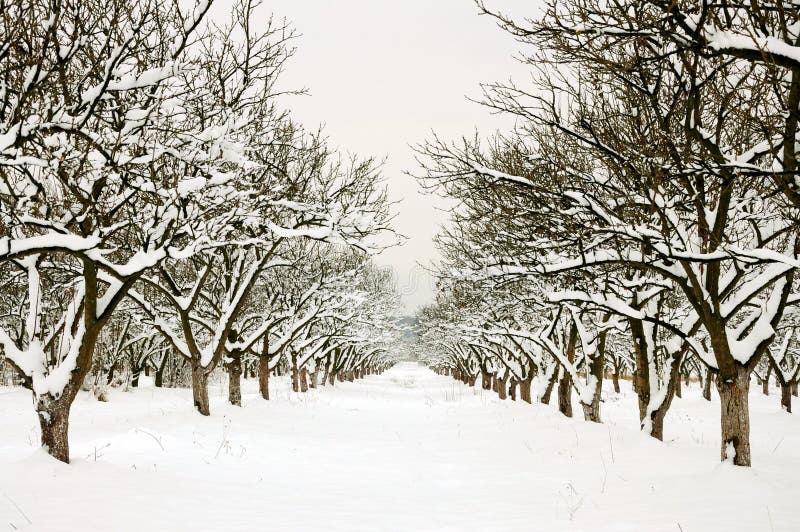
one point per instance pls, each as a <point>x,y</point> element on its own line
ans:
<point>200,389</point>
<point>735,416</point>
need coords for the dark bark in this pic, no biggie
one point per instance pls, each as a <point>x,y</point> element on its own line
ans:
<point>707,385</point>
<point>591,412</point>
<point>565,395</point>
<point>512,389</point>
<point>54,424</point>
<point>565,384</point>
<point>110,374</point>
<point>548,391</point>
<point>159,378</point>
<point>304,380</point>
<point>263,375</point>
<point>234,368</point>
<point>525,389</point>
<point>735,416</point>
<point>502,387</point>
<point>786,397</point>
<point>200,389</point>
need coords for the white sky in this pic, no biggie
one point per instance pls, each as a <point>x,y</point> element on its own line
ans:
<point>382,75</point>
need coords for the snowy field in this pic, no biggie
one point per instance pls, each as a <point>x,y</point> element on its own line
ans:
<point>406,450</point>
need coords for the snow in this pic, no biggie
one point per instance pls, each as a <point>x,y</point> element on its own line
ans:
<point>406,450</point>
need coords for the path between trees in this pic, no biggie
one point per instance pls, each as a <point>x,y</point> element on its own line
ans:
<point>405,450</point>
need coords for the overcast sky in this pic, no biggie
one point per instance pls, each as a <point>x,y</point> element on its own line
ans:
<point>383,74</point>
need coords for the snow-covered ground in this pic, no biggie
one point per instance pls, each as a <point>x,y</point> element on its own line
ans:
<point>406,450</point>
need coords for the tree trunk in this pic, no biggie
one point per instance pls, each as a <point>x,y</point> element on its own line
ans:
<point>794,388</point>
<point>565,395</point>
<point>325,374</point>
<point>502,387</point>
<point>263,370</point>
<point>512,389</point>
<point>314,375</point>
<point>707,385</point>
<point>786,397</point>
<point>54,424</point>
<point>234,367</point>
<point>304,380</point>
<point>110,374</point>
<point>159,379</point>
<point>735,416</point>
<point>765,382</point>
<point>525,389</point>
<point>332,377</point>
<point>200,389</point>
<point>263,377</point>
<point>295,373</point>
<point>548,391</point>
<point>615,379</point>
<point>678,387</point>
<point>486,380</point>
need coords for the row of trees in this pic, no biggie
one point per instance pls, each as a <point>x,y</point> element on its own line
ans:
<point>150,181</point>
<point>643,212</point>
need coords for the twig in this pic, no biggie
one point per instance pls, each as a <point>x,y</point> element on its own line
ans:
<point>18,509</point>
<point>158,440</point>
<point>776,447</point>
<point>611,444</point>
<point>605,474</point>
